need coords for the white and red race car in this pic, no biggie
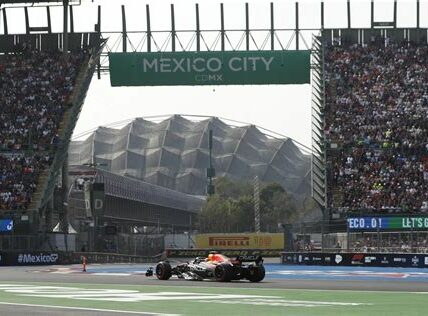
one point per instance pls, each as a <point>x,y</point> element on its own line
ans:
<point>215,267</point>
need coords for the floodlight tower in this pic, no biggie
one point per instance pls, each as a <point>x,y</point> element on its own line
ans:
<point>210,169</point>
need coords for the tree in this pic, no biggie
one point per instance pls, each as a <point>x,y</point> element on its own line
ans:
<point>277,206</point>
<point>232,190</point>
<point>231,209</point>
<point>214,216</point>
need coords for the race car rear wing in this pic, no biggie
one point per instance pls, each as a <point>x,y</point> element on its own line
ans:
<point>256,258</point>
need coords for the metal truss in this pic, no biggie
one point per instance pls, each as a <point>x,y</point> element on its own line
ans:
<point>318,168</point>
<point>208,40</point>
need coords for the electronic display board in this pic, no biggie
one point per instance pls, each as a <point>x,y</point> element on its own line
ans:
<point>388,223</point>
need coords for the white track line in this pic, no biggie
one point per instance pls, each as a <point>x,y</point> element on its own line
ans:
<point>249,288</point>
<point>87,309</point>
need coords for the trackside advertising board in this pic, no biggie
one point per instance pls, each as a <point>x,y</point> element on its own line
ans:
<point>240,241</point>
<point>404,260</point>
<point>25,258</point>
<point>385,223</point>
<point>190,253</point>
<point>6,225</point>
<point>209,68</point>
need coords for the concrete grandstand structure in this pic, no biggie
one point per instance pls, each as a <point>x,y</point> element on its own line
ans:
<point>174,153</point>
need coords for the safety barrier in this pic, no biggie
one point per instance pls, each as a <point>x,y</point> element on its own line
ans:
<point>98,257</point>
<point>404,260</point>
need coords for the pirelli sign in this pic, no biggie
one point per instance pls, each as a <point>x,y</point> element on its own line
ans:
<point>240,241</point>
<point>189,253</point>
<point>209,68</point>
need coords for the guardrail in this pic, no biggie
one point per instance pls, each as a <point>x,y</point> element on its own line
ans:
<point>99,257</point>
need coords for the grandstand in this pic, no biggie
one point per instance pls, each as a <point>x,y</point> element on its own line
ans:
<point>377,104</point>
<point>41,97</point>
<point>370,160</point>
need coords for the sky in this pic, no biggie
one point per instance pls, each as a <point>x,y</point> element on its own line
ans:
<point>284,109</point>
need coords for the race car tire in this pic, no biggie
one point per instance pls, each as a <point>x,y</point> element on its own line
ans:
<point>256,273</point>
<point>223,272</point>
<point>163,270</point>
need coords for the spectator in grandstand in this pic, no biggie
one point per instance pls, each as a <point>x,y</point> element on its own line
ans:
<point>377,101</point>
<point>35,88</point>
<point>18,179</point>
<point>392,243</point>
<point>34,91</point>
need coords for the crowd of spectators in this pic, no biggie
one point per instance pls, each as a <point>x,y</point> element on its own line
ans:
<point>392,243</point>
<point>18,179</point>
<point>376,127</point>
<point>35,88</point>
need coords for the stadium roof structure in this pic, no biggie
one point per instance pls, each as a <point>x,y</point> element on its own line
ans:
<point>174,154</point>
<point>31,1</point>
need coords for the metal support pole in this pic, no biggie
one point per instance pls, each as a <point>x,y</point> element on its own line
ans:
<point>348,6</point>
<point>95,234</point>
<point>297,26</point>
<point>71,19</point>
<point>247,27</point>
<point>378,235</point>
<point>210,171</point>
<point>124,41</point>
<point>256,204</point>
<point>322,234</point>
<point>48,215</point>
<point>5,22</point>
<point>210,146</point>
<point>395,13</point>
<point>198,29</point>
<point>322,15</point>
<point>372,13</point>
<point>173,33</point>
<point>64,186</point>
<point>272,29</point>
<point>418,8</point>
<point>27,21</point>
<point>65,27</point>
<point>222,26</point>
<point>64,215</point>
<point>149,31</point>
<point>348,236</point>
<point>99,19</point>
<point>48,15</point>
<point>98,30</point>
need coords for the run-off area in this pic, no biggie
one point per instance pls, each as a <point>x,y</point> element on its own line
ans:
<point>179,300</point>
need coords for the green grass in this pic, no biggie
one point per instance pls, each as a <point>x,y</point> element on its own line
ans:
<point>376,303</point>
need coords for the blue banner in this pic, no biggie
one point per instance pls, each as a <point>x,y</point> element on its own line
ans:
<point>6,225</point>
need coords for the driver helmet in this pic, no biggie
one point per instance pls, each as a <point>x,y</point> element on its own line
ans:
<point>210,257</point>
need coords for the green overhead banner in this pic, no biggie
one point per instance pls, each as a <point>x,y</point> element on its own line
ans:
<point>209,68</point>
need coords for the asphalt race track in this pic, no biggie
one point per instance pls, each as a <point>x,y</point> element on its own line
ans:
<point>118,274</point>
<point>307,278</point>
